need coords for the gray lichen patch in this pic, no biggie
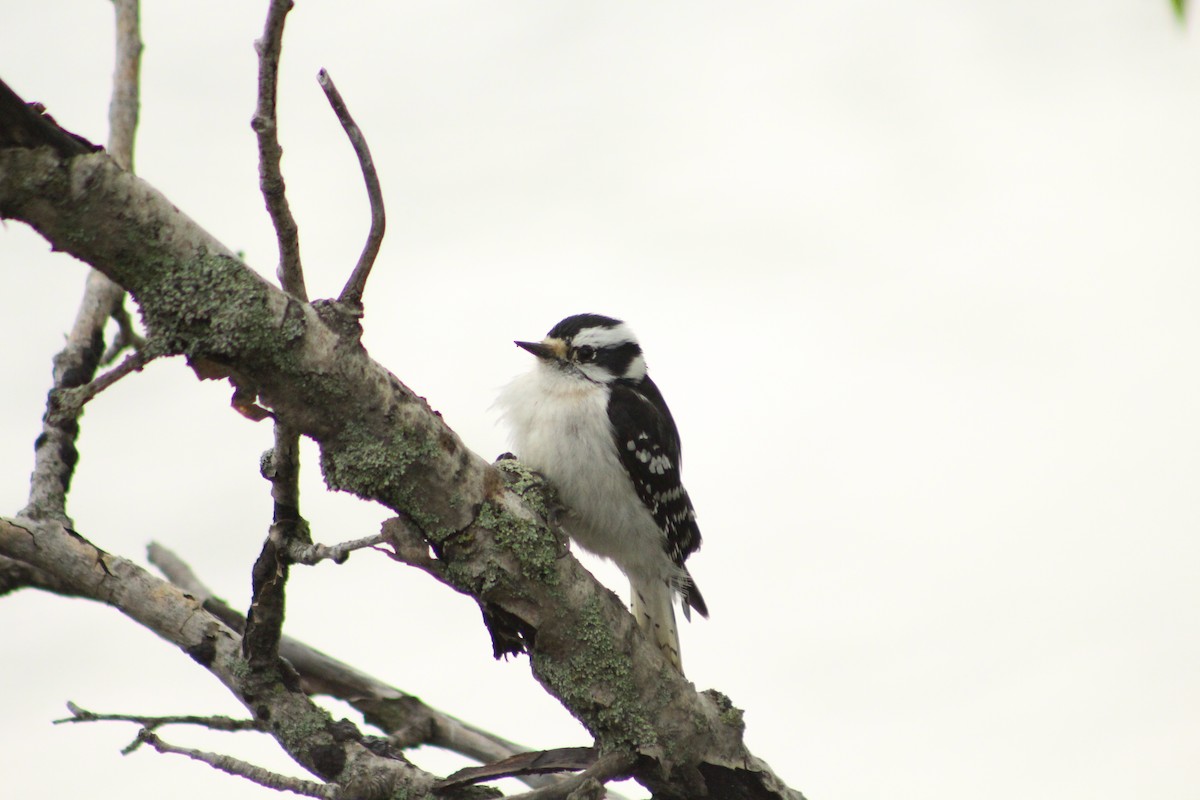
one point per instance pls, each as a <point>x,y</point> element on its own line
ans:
<point>369,465</point>
<point>517,531</point>
<point>538,493</point>
<point>594,677</point>
<point>212,306</point>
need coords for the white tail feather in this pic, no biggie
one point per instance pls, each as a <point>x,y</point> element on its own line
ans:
<point>655,613</point>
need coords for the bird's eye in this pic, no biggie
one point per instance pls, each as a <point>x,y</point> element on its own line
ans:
<point>585,353</point>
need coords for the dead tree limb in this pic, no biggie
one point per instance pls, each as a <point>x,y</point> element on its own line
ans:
<point>352,292</point>
<point>382,442</point>
<point>406,719</point>
<point>333,751</point>
<point>270,176</point>
<point>55,454</point>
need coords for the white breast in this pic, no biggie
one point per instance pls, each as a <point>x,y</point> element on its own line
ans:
<point>559,427</point>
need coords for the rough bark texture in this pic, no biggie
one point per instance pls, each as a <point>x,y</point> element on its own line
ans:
<point>331,750</point>
<point>381,442</point>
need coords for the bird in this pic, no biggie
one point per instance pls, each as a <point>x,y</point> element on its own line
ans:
<point>592,422</point>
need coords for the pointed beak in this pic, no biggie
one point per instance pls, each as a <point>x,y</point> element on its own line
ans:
<point>539,349</point>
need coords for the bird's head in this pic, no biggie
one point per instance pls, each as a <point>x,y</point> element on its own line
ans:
<point>592,347</point>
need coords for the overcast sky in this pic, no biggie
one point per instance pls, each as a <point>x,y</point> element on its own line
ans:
<point>919,281</point>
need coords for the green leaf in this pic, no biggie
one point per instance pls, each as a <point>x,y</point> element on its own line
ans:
<point>1180,8</point>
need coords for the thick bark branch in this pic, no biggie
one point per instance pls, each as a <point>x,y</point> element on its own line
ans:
<point>381,442</point>
<point>333,751</point>
<point>406,719</point>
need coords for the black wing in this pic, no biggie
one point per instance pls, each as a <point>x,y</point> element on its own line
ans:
<point>647,442</point>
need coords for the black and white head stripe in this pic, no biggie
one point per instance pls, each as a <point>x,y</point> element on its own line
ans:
<point>593,422</point>
<point>644,433</point>
<point>602,348</point>
<point>570,327</point>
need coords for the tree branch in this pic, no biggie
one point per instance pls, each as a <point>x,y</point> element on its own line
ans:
<point>270,177</point>
<point>55,454</point>
<point>67,404</point>
<point>333,751</point>
<point>16,575</point>
<point>352,293</point>
<point>124,106</point>
<point>406,719</point>
<point>338,553</point>
<point>218,723</point>
<point>382,442</point>
<point>239,768</point>
<point>264,621</point>
<point>588,784</point>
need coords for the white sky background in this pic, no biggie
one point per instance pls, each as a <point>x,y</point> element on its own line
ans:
<point>919,281</point>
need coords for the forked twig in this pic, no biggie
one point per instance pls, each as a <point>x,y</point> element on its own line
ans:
<point>406,719</point>
<point>216,723</point>
<point>67,403</point>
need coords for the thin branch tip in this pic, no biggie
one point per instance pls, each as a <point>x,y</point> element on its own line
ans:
<point>352,292</point>
<point>263,123</point>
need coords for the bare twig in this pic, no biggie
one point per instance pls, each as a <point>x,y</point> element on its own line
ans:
<point>563,759</point>
<point>216,723</point>
<point>69,402</point>
<point>270,177</point>
<point>55,454</point>
<point>408,721</point>
<point>239,768</point>
<point>264,621</point>
<point>283,472</point>
<point>353,291</point>
<point>586,784</point>
<point>123,108</point>
<point>338,553</point>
